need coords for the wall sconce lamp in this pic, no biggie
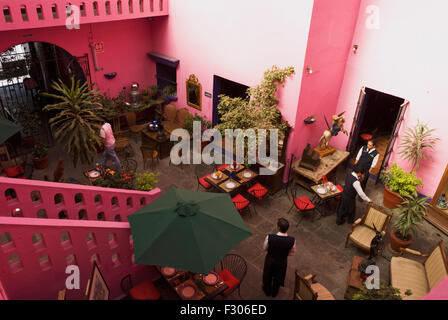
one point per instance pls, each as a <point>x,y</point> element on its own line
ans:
<point>355,48</point>
<point>309,70</point>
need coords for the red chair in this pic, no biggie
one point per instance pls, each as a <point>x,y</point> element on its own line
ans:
<point>303,204</point>
<point>232,269</point>
<point>203,182</point>
<point>340,189</point>
<point>258,191</point>
<point>222,167</point>
<point>240,202</point>
<point>145,290</point>
<point>366,137</point>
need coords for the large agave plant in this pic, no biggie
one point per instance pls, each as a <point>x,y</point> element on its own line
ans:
<point>77,123</point>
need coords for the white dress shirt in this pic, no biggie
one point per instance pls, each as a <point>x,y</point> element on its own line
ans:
<point>358,188</point>
<point>375,160</point>
<point>291,252</point>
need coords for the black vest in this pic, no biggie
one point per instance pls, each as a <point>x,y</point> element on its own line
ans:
<point>366,158</point>
<point>349,190</point>
<point>279,246</point>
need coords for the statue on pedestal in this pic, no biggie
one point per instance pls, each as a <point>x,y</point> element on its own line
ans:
<point>337,125</point>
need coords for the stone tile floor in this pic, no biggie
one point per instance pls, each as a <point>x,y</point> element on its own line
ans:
<point>320,243</point>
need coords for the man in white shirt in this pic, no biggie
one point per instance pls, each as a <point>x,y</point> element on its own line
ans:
<point>352,188</point>
<point>367,158</point>
<point>279,246</point>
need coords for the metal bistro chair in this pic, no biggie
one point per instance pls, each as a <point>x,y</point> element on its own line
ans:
<point>302,204</point>
<point>232,269</point>
<point>145,290</point>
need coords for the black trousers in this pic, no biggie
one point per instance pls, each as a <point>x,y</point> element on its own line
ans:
<point>346,209</point>
<point>274,272</point>
<point>364,182</point>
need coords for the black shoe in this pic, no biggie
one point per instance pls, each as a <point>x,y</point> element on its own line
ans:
<point>267,292</point>
<point>274,294</point>
<point>350,221</point>
<point>339,222</point>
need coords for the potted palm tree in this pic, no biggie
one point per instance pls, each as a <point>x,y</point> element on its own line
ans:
<point>410,214</point>
<point>77,120</point>
<point>40,156</point>
<point>398,184</point>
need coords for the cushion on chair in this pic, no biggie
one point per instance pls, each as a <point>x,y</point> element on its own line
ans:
<point>146,290</point>
<point>258,190</point>
<point>303,203</point>
<point>15,171</point>
<point>362,236</point>
<point>435,268</point>
<point>204,183</point>
<point>322,292</point>
<point>408,274</point>
<point>240,202</point>
<point>230,280</point>
<point>375,217</point>
<point>341,190</point>
<point>366,136</point>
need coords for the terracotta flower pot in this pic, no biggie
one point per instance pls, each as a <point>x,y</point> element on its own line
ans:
<point>41,163</point>
<point>396,243</point>
<point>391,199</point>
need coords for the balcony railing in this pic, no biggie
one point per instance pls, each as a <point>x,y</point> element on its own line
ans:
<point>27,14</point>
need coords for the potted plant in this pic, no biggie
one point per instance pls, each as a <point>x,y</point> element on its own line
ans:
<point>398,183</point>
<point>40,156</point>
<point>170,93</point>
<point>76,124</point>
<point>410,214</point>
<point>119,179</point>
<point>154,91</point>
<point>146,181</point>
<point>383,293</point>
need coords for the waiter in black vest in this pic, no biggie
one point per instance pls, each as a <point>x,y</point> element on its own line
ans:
<point>279,246</point>
<point>352,188</point>
<point>367,159</point>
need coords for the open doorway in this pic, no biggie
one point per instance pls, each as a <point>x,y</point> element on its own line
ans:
<point>378,115</point>
<point>229,88</point>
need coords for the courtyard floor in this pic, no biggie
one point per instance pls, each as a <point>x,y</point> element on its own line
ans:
<point>320,243</point>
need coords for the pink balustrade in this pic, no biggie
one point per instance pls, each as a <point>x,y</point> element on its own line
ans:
<point>27,14</point>
<point>34,255</point>
<point>42,199</point>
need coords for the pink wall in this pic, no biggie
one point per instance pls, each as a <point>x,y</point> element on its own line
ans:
<point>236,40</point>
<point>149,8</point>
<point>405,57</point>
<point>48,190</point>
<point>329,44</point>
<point>125,46</point>
<point>34,276</point>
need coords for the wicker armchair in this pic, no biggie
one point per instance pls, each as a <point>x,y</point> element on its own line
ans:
<point>363,230</point>
<point>306,288</point>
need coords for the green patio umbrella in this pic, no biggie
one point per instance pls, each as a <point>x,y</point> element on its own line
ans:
<point>8,129</point>
<point>186,230</point>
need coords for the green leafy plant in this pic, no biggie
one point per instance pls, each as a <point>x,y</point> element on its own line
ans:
<point>75,125</point>
<point>120,179</point>
<point>410,214</point>
<point>170,90</point>
<point>383,293</point>
<point>188,123</point>
<point>40,150</point>
<point>146,181</point>
<point>154,91</point>
<point>415,142</point>
<point>400,181</point>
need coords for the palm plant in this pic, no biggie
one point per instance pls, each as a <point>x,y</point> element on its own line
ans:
<point>77,122</point>
<point>415,142</point>
<point>411,212</point>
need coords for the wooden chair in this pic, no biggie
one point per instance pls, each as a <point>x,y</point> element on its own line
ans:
<point>149,153</point>
<point>232,269</point>
<point>306,288</point>
<point>169,115</point>
<point>363,230</point>
<point>131,120</point>
<point>182,115</point>
<point>419,277</point>
<point>145,290</point>
<point>302,204</point>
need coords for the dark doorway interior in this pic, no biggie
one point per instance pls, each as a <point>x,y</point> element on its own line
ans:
<point>379,114</point>
<point>229,88</point>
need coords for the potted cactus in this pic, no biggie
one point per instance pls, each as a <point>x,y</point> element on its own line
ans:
<point>40,156</point>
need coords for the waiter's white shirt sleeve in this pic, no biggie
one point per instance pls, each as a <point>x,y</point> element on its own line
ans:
<point>375,161</point>
<point>359,154</point>
<point>291,252</point>
<point>357,186</point>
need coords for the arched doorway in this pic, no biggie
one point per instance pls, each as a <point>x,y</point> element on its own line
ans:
<point>28,69</point>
